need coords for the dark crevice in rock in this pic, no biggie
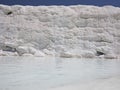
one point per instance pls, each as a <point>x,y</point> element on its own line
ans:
<point>9,49</point>
<point>99,53</point>
<point>9,13</point>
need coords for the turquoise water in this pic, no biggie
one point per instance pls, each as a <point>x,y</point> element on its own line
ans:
<point>30,73</point>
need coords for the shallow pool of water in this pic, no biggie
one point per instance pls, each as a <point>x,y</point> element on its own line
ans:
<point>30,73</point>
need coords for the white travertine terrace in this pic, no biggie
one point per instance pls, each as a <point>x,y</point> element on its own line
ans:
<point>66,31</point>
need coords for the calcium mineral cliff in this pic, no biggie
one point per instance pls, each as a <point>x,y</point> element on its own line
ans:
<point>65,31</point>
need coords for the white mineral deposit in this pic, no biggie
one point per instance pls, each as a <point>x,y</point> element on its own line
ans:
<point>74,47</point>
<point>66,31</point>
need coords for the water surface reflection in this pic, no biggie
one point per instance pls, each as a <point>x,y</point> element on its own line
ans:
<point>29,73</point>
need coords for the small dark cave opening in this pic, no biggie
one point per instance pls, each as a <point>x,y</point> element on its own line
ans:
<point>99,53</point>
<point>9,13</point>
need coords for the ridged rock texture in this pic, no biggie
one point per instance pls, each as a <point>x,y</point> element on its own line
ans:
<point>66,31</point>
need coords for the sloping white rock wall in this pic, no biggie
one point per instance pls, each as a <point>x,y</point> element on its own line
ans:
<point>66,31</point>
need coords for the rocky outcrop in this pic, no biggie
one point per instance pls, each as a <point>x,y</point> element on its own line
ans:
<point>66,31</point>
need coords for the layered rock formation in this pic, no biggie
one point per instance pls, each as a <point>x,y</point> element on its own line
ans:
<point>66,31</point>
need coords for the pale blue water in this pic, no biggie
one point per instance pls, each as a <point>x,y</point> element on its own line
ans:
<point>30,73</point>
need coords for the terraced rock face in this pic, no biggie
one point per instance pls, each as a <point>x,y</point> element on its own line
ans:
<point>66,31</point>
